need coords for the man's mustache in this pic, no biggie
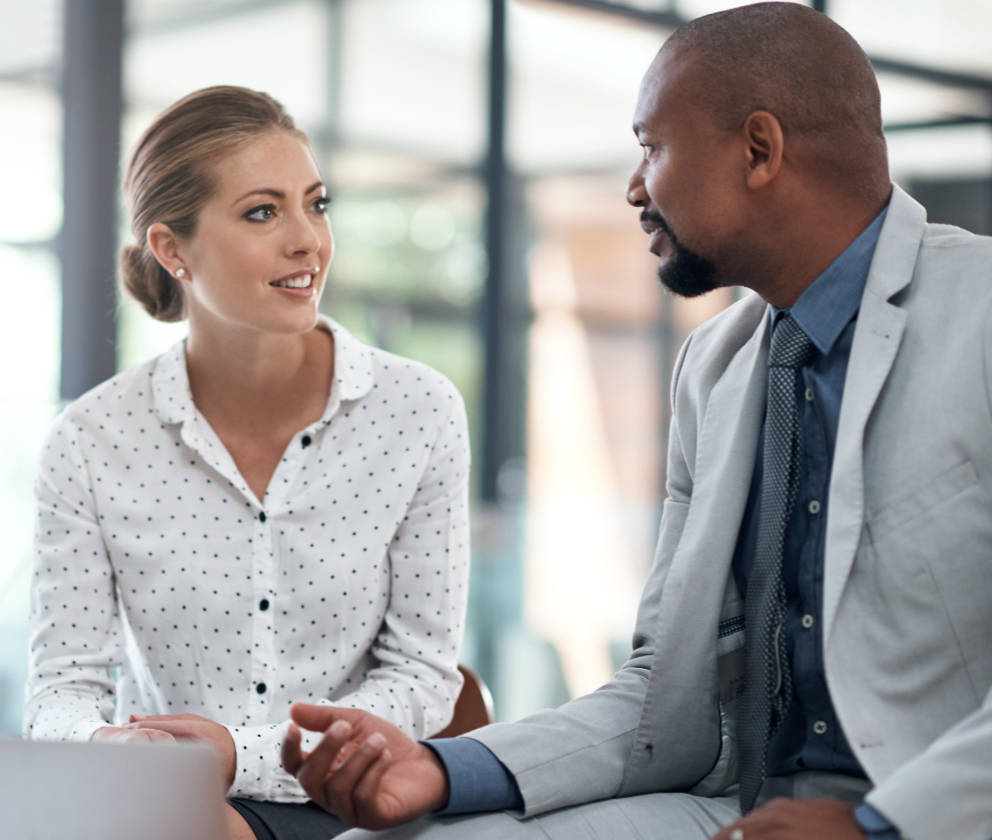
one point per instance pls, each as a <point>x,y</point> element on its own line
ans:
<point>657,219</point>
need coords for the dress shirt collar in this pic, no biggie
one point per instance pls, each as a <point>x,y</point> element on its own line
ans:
<point>834,298</point>
<point>353,376</point>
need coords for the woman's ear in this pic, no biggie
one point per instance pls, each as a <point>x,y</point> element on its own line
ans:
<point>765,147</point>
<point>165,246</point>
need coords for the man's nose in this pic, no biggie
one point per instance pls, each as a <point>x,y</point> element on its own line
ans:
<point>636,194</point>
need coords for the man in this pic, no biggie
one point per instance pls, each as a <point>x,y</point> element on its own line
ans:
<point>829,492</point>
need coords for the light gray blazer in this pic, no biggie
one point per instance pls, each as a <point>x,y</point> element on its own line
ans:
<point>907,618</point>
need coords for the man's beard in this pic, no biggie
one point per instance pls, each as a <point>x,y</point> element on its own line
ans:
<point>685,273</point>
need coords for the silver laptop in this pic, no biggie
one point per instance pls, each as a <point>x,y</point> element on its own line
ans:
<point>62,791</point>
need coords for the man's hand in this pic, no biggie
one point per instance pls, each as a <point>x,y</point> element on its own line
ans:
<point>365,771</point>
<point>194,728</point>
<point>791,819</point>
<point>128,735</point>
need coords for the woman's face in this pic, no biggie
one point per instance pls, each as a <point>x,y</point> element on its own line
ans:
<point>262,244</point>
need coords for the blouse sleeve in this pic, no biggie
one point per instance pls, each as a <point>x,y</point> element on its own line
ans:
<point>74,624</point>
<point>416,680</point>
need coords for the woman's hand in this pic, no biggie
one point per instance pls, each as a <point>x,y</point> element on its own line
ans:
<point>127,734</point>
<point>365,771</point>
<point>193,728</point>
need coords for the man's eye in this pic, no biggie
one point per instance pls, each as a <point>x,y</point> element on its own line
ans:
<point>320,205</point>
<point>262,213</point>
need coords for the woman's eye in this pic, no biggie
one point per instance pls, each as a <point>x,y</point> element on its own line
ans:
<point>320,205</point>
<point>262,213</point>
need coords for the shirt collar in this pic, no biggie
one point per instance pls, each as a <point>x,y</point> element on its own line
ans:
<point>353,376</point>
<point>833,299</point>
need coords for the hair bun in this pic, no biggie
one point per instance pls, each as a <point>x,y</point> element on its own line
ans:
<point>150,284</point>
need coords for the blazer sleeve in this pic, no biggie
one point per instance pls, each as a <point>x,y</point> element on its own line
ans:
<point>579,752</point>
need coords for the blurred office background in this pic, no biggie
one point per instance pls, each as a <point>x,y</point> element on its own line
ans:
<point>477,152</point>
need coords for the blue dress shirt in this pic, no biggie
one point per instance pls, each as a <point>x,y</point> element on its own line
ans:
<point>811,737</point>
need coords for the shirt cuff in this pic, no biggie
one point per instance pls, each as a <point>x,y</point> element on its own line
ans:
<point>874,824</point>
<point>477,781</point>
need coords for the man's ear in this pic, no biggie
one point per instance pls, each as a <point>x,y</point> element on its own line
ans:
<point>166,248</point>
<point>764,149</point>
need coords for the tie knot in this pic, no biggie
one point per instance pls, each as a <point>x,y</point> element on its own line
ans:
<point>791,347</point>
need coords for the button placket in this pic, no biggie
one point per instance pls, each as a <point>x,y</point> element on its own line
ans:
<point>262,645</point>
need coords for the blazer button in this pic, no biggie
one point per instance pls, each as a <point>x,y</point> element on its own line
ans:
<point>820,727</point>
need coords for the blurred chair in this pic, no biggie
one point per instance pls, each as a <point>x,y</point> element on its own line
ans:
<point>473,708</point>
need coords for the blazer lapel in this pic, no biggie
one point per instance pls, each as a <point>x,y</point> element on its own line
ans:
<point>682,688</point>
<point>876,342</point>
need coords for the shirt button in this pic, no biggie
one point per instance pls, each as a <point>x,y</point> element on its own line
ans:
<point>814,507</point>
<point>305,441</point>
<point>263,605</point>
<point>807,621</point>
<point>260,688</point>
<point>809,395</point>
<point>261,516</point>
<point>820,727</point>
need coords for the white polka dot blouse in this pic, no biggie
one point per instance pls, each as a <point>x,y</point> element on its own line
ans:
<point>163,586</point>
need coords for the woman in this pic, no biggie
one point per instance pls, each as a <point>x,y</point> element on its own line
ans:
<point>270,511</point>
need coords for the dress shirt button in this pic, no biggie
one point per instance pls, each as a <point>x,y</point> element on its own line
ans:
<point>807,621</point>
<point>261,516</point>
<point>263,605</point>
<point>820,727</point>
<point>814,507</point>
<point>305,441</point>
<point>260,688</point>
<point>809,395</point>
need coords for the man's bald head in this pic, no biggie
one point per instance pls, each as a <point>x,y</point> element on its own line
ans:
<point>803,68</point>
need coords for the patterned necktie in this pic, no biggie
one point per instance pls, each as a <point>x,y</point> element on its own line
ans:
<point>768,686</point>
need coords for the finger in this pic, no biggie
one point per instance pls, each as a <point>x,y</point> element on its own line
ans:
<point>176,728</point>
<point>342,784</point>
<point>367,789</point>
<point>134,736</point>
<point>344,754</point>
<point>292,754</point>
<point>314,718</point>
<point>156,735</point>
<point>315,769</point>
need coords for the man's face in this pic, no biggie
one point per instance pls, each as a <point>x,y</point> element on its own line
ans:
<point>682,182</point>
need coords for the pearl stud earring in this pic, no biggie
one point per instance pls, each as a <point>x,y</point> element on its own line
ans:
<point>180,272</point>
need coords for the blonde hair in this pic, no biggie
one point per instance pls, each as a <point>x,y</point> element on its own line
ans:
<point>169,178</point>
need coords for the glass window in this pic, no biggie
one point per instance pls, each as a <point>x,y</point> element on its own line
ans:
<point>30,219</point>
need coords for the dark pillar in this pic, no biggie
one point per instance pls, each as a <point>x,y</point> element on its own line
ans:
<point>497,427</point>
<point>91,89</point>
